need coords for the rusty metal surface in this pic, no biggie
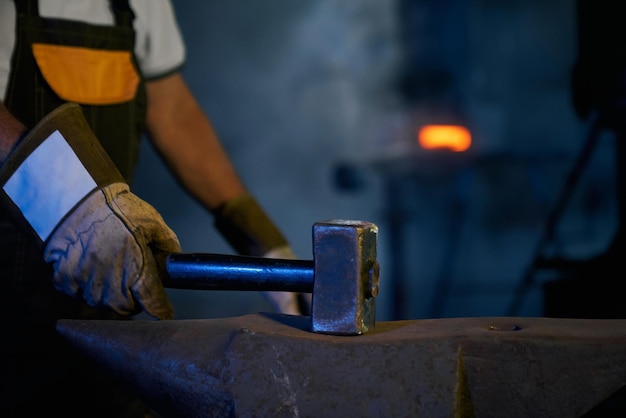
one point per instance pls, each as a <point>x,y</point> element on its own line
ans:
<point>270,365</point>
<point>347,277</point>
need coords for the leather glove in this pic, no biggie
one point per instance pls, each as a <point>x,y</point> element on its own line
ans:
<point>101,239</point>
<point>244,224</point>
<point>287,302</point>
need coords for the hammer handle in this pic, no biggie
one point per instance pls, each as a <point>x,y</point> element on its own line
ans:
<point>202,271</point>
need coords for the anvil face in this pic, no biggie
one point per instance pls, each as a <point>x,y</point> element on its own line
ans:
<point>272,365</point>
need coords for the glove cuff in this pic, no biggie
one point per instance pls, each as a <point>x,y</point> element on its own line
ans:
<point>53,168</point>
<point>246,227</point>
<point>283,252</point>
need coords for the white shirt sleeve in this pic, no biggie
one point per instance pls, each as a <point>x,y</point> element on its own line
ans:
<point>159,46</point>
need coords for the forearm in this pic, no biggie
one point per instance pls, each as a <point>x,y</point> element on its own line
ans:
<point>185,138</point>
<point>11,130</point>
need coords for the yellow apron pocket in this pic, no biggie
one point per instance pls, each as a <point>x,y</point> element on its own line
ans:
<point>87,76</point>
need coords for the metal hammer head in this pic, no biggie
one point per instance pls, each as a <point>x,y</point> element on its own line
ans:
<point>346,277</point>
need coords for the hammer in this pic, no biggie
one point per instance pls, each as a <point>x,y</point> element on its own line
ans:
<point>343,276</point>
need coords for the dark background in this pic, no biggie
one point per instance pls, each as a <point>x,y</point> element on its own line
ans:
<point>318,103</point>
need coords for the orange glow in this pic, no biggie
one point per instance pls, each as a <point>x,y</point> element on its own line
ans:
<point>456,138</point>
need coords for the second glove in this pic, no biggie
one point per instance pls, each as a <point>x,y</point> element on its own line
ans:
<point>244,224</point>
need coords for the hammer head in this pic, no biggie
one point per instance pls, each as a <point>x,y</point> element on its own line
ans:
<point>346,277</point>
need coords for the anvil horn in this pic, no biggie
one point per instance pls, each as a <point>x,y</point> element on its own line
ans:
<point>271,365</point>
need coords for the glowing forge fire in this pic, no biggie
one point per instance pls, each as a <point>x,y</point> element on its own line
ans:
<point>453,137</point>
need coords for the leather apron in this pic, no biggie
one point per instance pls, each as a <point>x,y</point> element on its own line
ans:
<point>37,79</point>
<point>39,368</point>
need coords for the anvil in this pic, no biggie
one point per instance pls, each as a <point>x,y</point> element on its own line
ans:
<point>271,365</point>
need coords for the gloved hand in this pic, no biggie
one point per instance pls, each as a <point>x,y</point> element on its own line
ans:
<point>287,302</point>
<point>104,251</point>
<point>244,224</point>
<point>101,239</point>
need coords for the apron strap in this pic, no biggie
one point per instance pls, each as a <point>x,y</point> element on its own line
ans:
<point>27,7</point>
<point>124,15</point>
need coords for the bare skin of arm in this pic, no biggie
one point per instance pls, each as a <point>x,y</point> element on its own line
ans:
<point>185,138</point>
<point>181,133</point>
<point>11,130</point>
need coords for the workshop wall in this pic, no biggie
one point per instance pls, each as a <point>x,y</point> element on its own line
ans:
<point>317,103</point>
